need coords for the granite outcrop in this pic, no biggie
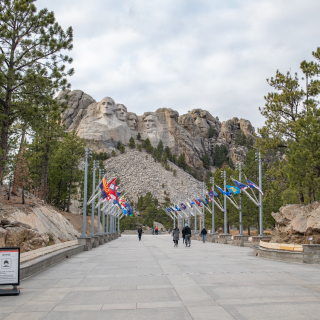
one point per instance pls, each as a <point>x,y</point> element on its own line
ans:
<point>296,223</point>
<point>103,124</point>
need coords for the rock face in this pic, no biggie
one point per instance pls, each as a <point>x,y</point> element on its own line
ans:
<point>196,133</point>
<point>16,234</point>
<point>139,175</point>
<point>296,223</point>
<point>34,228</point>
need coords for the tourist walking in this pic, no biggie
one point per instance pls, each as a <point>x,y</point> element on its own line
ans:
<point>183,234</point>
<point>139,233</point>
<point>187,232</point>
<point>175,234</point>
<point>204,233</point>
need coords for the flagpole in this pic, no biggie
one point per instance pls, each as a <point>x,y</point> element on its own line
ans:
<point>238,166</point>
<point>189,211</point>
<point>93,188</point>
<point>99,207</point>
<point>260,195</point>
<point>213,227</point>
<point>195,215</point>
<point>203,210</point>
<point>84,217</point>
<point>224,175</point>
<point>183,210</point>
<point>174,220</point>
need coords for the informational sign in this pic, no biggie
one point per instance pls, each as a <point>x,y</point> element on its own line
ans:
<point>10,266</point>
<point>311,238</point>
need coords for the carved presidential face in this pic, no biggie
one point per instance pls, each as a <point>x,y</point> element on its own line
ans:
<point>150,123</point>
<point>107,106</point>
<point>121,112</point>
<point>132,120</point>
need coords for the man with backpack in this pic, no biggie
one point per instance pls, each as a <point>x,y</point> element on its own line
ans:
<point>187,234</point>
<point>139,233</point>
<point>204,233</point>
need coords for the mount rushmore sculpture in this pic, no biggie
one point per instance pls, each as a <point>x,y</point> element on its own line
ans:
<point>103,124</point>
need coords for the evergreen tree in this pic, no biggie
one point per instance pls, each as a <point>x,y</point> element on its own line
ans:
<point>181,162</point>
<point>31,61</point>
<point>131,144</point>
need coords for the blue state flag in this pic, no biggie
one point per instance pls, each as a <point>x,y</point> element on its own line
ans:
<point>253,185</point>
<point>240,185</point>
<point>233,189</point>
<point>228,194</point>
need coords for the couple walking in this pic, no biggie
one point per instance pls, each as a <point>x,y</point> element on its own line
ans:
<point>186,235</point>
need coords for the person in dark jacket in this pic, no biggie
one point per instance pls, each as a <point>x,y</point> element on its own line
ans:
<point>204,233</point>
<point>139,233</point>
<point>187,232</point>
<point>175,234</point>
<point>183,235</point>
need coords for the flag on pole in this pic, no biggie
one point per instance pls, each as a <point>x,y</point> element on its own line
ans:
<point>213,194</point>
<point>240,185</point>
<point>233,190</point>
<point>228,194</point>
<point>104,188</point>
<point>254,186</point>
<point>198,203</point>
<point>183,206</point>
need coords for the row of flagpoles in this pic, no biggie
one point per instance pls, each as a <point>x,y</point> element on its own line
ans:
<point>182,209</point>
<point>114,205</point>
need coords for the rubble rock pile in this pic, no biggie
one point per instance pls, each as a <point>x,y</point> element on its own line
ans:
<point>139,174</point>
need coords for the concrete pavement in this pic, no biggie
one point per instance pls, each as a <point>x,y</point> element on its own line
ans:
<point>128,279</point>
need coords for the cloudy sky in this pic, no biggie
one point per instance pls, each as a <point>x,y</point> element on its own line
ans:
<point>186,54</point>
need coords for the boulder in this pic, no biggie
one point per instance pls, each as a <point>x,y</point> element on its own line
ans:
<point>3,236</point>
<point>296,223</point>
<point>15,236</point>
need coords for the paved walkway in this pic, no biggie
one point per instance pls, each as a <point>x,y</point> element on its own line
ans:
<point>128,279</point>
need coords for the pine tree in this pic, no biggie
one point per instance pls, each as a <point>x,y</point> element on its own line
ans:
<point>31,62</point>
<point>131,144</point>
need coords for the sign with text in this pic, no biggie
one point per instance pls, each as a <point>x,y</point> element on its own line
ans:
<point>10,266</point>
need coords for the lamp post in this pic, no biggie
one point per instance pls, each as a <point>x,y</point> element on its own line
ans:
<point>224,176</point>
<point>238,167</point>
<point>212,182</point>
<point>95,165</point>
<point>84,218</point>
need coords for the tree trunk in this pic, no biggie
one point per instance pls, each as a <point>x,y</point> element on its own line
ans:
<point>301,197</point>
<point>16,171</point>
<point>4,141</point>
<point>248,230</point>
<point>69,198</point>
<point>22,194</point>
<point>45,182</point>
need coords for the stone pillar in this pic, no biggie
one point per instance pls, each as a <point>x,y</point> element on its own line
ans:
<point>224,238</point>
<point>101,239</point>
<point>86,242</point>
<point>311,253</point>
<point>95,240</point>
<point>239,240</point>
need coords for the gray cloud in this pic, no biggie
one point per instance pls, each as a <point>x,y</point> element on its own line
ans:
<point>183,54</point>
